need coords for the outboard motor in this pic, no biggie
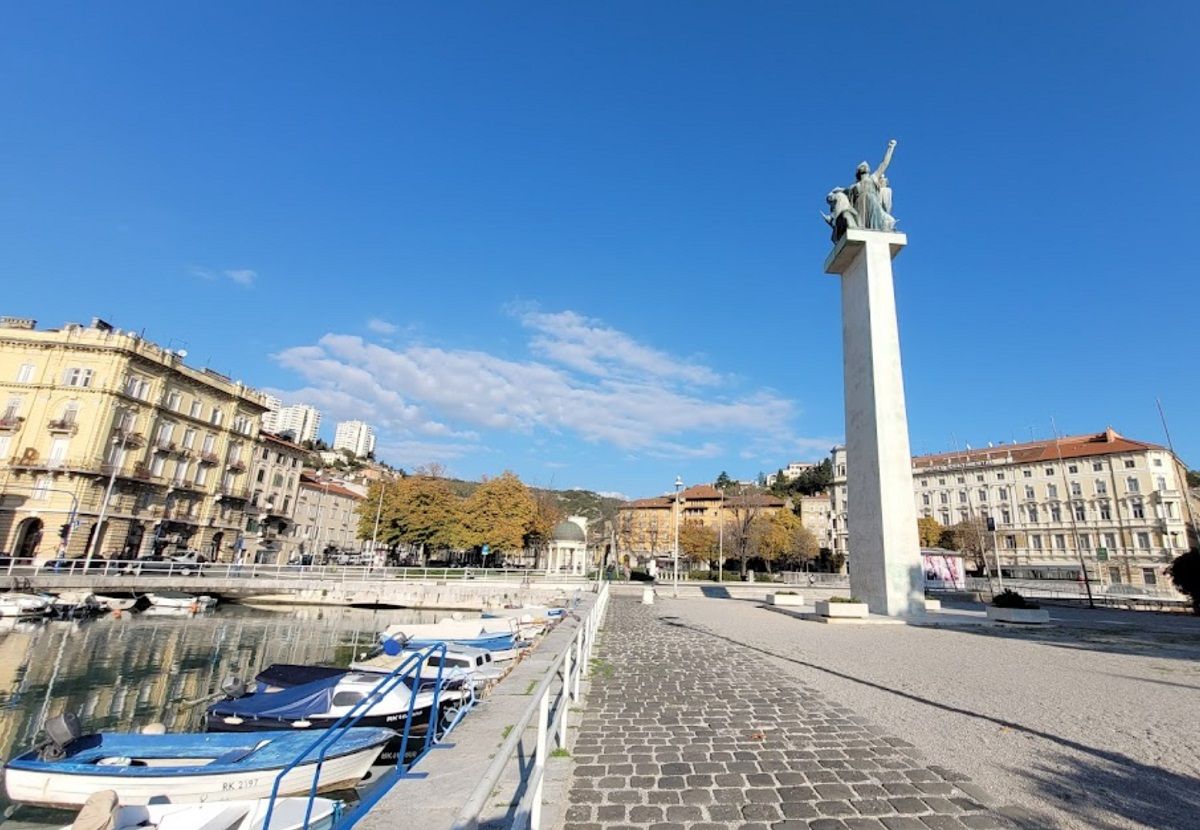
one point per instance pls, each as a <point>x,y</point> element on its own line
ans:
<point>234,687</point>
<point>61,731</point>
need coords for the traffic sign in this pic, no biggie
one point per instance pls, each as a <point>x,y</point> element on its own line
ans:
<point>1101,554</point>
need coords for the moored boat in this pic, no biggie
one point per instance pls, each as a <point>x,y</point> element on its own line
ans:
<point>25,605</point>
<point>475,665</point>
<point>76,604</point>
<point>316,697</point>
<point>502,640</point>
<point>66,769</point>
<point>116,603</point>
<point>181,599</point>
<point>103,811</point>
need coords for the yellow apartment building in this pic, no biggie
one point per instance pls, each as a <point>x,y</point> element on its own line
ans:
<point>97,420</point>
<point>645,528</point>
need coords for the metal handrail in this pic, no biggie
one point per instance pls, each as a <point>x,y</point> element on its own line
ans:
<point>528,809</point>
<point>331,735</point>
<point>340,573</point>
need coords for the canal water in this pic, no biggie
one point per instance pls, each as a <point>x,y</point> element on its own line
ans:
<point>123,673</point>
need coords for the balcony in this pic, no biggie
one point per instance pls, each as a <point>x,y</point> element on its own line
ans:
<point>63,426</point>
<point>133,440</point>
<point>161,445</point>
<point>209,458</point>
<point>237,466</point>
<point>185,452</point>
<point>11,423</point>
<point>234,493</point>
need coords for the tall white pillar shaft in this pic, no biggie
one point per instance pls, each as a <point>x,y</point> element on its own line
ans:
<point>885,553</point>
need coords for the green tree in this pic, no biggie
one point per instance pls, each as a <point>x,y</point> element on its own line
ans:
<point>1185,573</point>
<point>929,531</point>
<point>697,541</point>
<point>499,513</point>
<point>724,482</point>
<point>1193,478</point>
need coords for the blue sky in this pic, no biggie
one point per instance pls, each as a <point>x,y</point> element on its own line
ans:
<point>580,240</point>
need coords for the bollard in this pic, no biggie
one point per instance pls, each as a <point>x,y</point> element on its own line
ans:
<point>647,596</point>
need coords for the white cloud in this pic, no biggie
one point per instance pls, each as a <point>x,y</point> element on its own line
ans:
<point>587,345</point>
<point>382,326</point>
<point>241,276</point>
<point>594,383</point>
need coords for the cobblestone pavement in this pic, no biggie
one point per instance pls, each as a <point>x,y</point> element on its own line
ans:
<point>684,731</point>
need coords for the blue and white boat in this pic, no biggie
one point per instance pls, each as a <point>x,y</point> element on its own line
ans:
<point>499,636</point>
<point>316,697</point>
<point>67,768</point>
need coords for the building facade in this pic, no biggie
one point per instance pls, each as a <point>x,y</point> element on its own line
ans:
<point>99,421</point>
<point>645,528</point>
<point>358,437</point>
<point>326,518</point>
<point>1112,503</point>
<point>299,422</point>
<point>275,492</point>
<point>791,472</point>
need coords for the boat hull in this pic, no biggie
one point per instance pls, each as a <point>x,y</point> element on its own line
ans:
<point>287,814</point>
<point>390,756</point>
<point>69,783</point>
<point>168,601</point>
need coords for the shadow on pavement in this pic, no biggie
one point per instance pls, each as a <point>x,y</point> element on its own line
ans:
<point>1133,790</point>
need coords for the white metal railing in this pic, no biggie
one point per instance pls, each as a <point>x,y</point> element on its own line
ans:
<point>820,580</point>
<point>324,573</point>
<point>549,706</point>
<point>1069,589</point>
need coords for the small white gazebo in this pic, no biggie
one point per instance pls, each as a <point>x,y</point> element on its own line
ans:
<point>567,550</point>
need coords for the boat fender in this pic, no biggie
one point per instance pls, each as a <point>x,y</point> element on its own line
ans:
<point>301,724</point>
<point>154,729</point>
<point>233,720</point>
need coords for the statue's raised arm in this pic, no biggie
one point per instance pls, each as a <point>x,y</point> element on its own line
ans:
<point>887,158</point>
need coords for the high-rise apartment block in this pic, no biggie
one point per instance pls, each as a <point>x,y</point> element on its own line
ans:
<point>356,436</point>
<point>298,422</point>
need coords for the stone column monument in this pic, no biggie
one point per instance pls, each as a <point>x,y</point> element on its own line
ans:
<point>884,551</point>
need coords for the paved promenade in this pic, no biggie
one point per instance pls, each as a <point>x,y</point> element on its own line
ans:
<point>686,731</point>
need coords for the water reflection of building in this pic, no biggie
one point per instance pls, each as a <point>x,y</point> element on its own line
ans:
<point>123,673</point>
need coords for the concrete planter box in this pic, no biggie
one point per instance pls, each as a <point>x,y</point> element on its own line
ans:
<point>647,596</point>
<point>785,599</point>
<point>1028,616</point>
<point>933,605</point>
<point>842,610</point>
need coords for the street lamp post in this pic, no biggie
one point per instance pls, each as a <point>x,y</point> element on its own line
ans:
<point>721,540</point>
<point>117,462</point>
<point>675,558</point>
<point>378,511</point>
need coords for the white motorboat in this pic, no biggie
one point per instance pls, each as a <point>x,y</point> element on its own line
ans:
<point>181,599</point>
<point>116,603</point>
<point>76,604</point>
<point>451,629</point>
<point>25,605</point>
<point>475,665</point>
<point>104,812</point>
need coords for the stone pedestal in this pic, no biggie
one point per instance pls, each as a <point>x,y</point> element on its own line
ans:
<point>884,551</point>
